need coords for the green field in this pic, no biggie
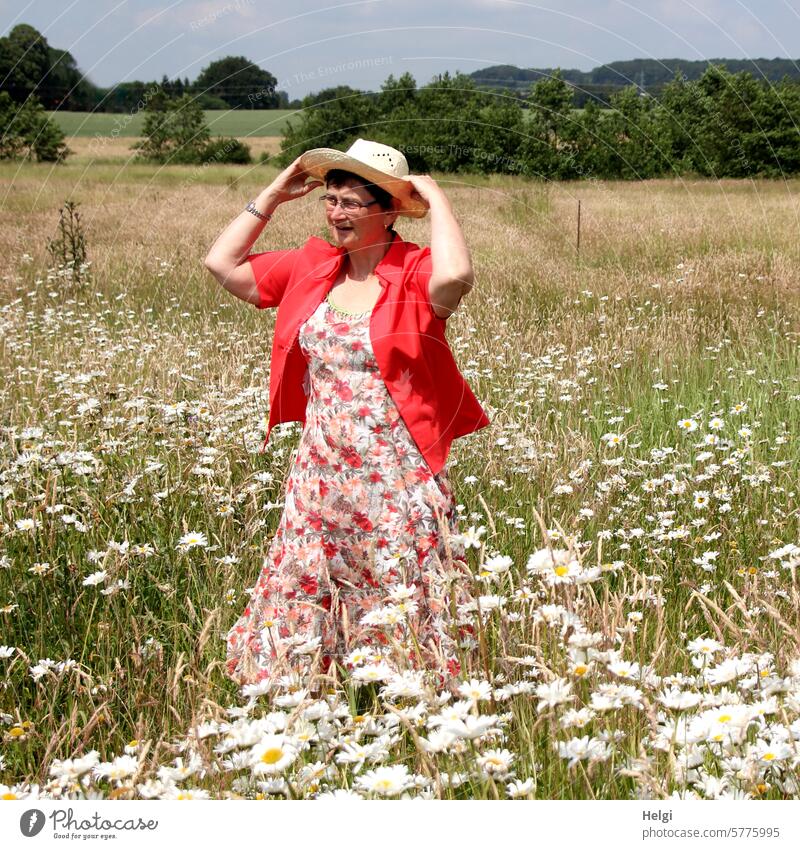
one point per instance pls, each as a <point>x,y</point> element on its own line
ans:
<point>239,123</point>
<point>265,123</point>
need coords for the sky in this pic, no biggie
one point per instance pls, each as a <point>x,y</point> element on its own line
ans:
<point>309,45</point>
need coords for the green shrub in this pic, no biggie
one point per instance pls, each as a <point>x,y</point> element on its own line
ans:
<point>174,131</point>
<point>28,133</point>
<point>210,101</point>
<point>226,150</point>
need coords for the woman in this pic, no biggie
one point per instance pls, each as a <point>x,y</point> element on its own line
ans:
<point>365,572</point>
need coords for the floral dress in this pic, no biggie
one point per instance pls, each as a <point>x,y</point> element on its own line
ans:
<point>366,572</point>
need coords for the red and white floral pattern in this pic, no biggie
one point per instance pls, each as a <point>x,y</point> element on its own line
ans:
<point>359,559</point>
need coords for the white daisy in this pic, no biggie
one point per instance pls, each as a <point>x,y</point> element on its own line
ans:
<point>475,690</point>
<point>95,578</point>
<point>386,780</point>
<point>272,754</point>
<point>192,539</point>
<point>495,761</point>
<point>471,538</point>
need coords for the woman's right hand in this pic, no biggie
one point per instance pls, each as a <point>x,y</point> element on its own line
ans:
<point>290,184</point>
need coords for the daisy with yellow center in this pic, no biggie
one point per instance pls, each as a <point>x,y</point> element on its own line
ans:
<point>562,571</point>
<point>496,761</point>
<point>769,751</point>
<point>189,794</point>
<point>192,539</point>
<point>385,780</point>
<point>272,754</point>
<point>578,665</point>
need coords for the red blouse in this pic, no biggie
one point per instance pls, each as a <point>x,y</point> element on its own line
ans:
<point>408,341</point>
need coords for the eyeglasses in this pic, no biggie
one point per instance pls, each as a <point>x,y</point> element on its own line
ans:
<point>347,205</point>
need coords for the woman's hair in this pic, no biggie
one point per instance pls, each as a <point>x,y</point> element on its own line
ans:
<point>338,176</point>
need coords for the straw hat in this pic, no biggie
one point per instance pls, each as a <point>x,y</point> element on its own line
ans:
<point>377,163</point>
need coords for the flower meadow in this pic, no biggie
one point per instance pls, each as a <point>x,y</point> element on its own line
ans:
<point>630,517</point>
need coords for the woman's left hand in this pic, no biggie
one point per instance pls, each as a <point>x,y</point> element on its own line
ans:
<point>425,186</point>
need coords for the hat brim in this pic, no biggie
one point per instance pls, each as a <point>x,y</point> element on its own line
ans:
<point>316,163</point>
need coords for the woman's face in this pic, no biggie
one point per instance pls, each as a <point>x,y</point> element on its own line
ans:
<point>362,227</point>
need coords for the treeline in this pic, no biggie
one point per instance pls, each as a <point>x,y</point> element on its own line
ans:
<point>651,76</point>
<point>721,125</point>
<point>36,77</point>
<point>30,67</point>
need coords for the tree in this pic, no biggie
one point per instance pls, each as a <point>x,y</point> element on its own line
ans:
<point>335,117</point>
<point>399,94</point>
<point>594,155</point>
<point>551,98</point>
<point>24,61</point>
<point>445,134</point>
<point>128,97</point>
<point>731,135</point>
<point>780,117</point>
<point>174,131</point>
<point>638,148</point>
<point>498,133</point>
<point>28,65</point>
<point>64,87</point>
<point>28,133</point>
<point>551,127</point>
<point>683,107</point>
<point>398,108</point>
<point>239,83</point>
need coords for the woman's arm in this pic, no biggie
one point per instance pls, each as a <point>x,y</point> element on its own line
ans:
<point>227,258</point>
<point>452,276</point>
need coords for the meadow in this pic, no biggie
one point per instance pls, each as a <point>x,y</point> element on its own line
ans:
<point>630,516</point>
<point>246,124</point>
<point>221,122</point>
